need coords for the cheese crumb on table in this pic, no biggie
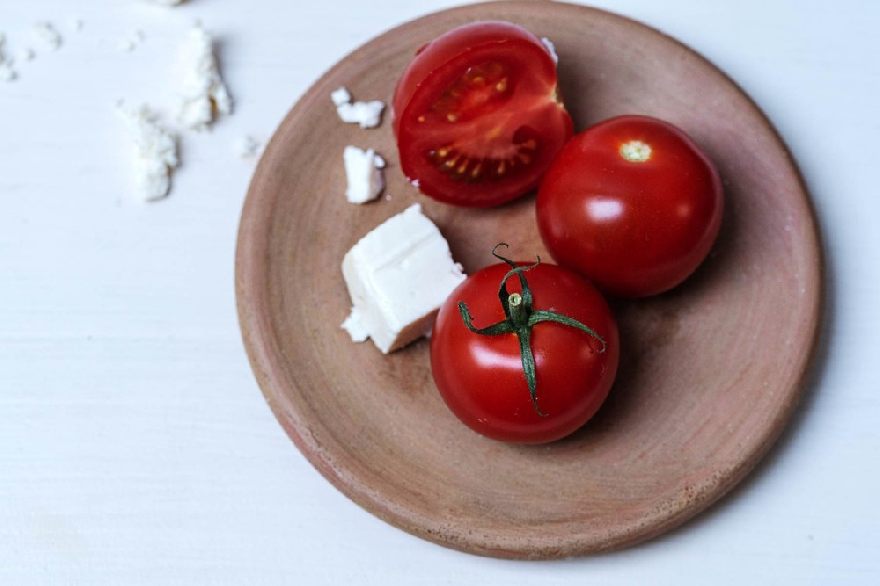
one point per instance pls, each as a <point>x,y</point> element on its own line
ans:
<point>205,96</point>
<point>365,114</point>
<point>48,35</point>
<point>247,147</point>
<point>26,54</point>
<point>7,73</point>
<point>363,174</point>
<point>398,276</point>
<point>155,152</point>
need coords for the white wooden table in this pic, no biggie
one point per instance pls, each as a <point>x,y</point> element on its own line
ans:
<point>135,446</point>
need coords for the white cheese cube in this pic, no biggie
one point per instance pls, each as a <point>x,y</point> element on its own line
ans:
<point>363,173</point>
<point>398,276</point>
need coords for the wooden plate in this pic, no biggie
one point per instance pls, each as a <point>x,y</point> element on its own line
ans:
<point>709,375</point>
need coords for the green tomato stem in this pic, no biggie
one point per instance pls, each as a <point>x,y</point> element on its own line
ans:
<point>519,319</point>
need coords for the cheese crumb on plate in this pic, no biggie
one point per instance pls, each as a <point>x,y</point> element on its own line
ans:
<point>398,276</point>
<point>551,48</point>
<point>365,114</point>
<point>363,173</point>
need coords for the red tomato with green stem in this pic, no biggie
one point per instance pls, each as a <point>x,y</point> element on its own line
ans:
<point>631,203</point>
<point>529,360</point>
<point>477,115</point>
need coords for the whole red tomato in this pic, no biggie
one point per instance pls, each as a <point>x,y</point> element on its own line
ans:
<point>555,317</point>
<point>632,204</point>
<point>477,115</point>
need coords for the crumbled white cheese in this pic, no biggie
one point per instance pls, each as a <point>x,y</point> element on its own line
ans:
<point>7,72</point>
<point>365,114</point>
<point>205,96</point>
<point>340,96</point>
<point>398,276</point>
<point>247,147</point>
<point>167,2</point>
<point>363,174</point>
<point>26,54</point>
<point>551,48</point>
<point>76,24</point>
<point>48,35</point>
<point>155,152</point>
<point>354,325</point>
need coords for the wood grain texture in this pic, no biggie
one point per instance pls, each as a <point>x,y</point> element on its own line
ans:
<point>710,372</point>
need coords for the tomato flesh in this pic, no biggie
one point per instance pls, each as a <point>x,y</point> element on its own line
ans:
<point>476,115</point>
<point>481,377</point>
<point>631,203</point>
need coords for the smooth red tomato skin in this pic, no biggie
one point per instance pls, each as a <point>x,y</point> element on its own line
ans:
<point>531,112</point>
<point>633,228</point>
<point>481,377</point>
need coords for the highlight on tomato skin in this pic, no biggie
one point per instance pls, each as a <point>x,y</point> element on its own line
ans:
<point>631,203</point>
<point>481,377</point>
<point>477,116</point>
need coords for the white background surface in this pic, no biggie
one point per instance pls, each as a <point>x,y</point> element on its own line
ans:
<point>135,446</point>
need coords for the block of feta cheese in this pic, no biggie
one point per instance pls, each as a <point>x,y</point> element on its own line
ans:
<point>398,276</point>
<point>363,174</point>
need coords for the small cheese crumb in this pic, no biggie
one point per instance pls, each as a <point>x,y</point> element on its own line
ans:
<point>48,35</point>
<point>167,2</point>
<point>155,152</point>
<point>340,96</point>
<point>365,114</point>
<point>7,73</point>
<point>363,173</point>
<point>26,54</point>
<point>77,24</point>
<point>354,325</point>
<point>247,147</point>
<point>205,96</point>
<point>398,276</point>
<point>548,44</point>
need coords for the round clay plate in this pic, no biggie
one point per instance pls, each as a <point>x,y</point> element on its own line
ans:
<point>709,372</point>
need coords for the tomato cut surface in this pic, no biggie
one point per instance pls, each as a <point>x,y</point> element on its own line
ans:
<point>477,116</point>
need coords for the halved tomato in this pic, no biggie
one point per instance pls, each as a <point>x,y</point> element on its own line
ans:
<point>477,115</point>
